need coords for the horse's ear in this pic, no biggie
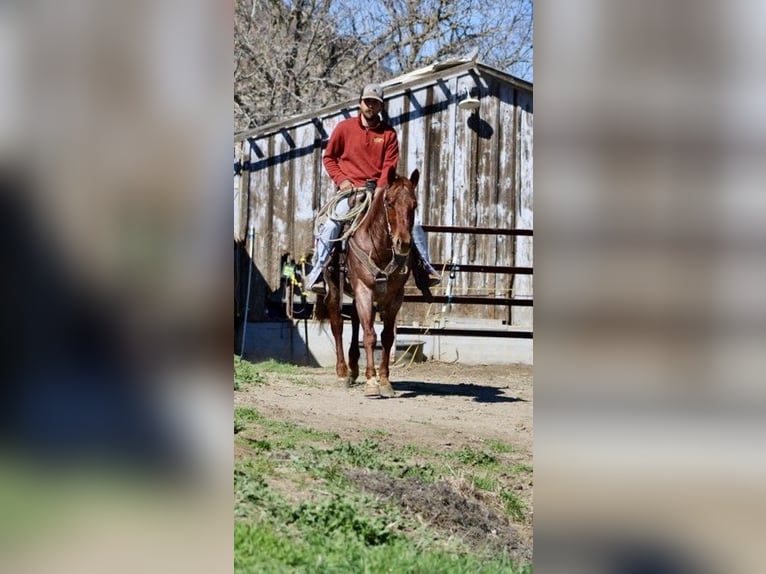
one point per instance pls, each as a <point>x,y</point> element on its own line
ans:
<point>391,175</point>
<point>414,177</point>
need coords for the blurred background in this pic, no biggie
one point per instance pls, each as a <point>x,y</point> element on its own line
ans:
<point>115,149</point>
<point>650,303</point>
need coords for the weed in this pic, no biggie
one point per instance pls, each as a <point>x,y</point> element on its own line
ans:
<point>340,515</point>
<point>498,446</point>
<point>514,506</point>
<point>473,457</point>
<point>421,472</point>
<point>521,468</point>
<point>486,483</point>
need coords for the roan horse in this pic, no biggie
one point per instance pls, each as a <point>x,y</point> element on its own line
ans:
<point>378,261</point>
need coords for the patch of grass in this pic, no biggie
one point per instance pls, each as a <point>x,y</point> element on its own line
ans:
<point>260,465</point>
<point>268,549</point>
<point>521,468</point>
<point>328,464</point>
<point>246,373</point>
<point>377,434</point>
<point>366,454</point>
<point>485,483</point>
<point>273,366</point>
<point>333,526</point>
<point>514,506</point>
<point>244,416</point>
<point>411,450</point>
<point>343,514</point>
<point>497,446</point>
<point>473,457</point>
<point>423,472</point>
<point>287,435</point>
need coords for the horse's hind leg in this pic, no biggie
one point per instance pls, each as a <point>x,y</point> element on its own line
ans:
<point>353,349</point>
<point>336,326</point>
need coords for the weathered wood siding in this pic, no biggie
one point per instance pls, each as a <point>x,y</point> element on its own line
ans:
<point>476,171</point>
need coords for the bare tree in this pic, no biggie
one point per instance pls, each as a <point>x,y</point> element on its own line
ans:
<point>298,55</point>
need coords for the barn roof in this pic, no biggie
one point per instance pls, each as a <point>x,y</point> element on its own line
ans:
<point>426,75</point>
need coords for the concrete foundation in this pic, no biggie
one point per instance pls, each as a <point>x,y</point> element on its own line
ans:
<point>306,343</point>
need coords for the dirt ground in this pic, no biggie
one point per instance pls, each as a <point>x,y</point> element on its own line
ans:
<point>436,404</point>
<point>440,406</point>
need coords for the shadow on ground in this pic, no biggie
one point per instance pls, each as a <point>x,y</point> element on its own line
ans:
<point>480,393</point>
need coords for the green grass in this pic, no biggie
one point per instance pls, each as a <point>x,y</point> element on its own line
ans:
<point>243,417</point>
<point>514,506</point>
<point>339,532</point>
<point>472,457</point>
<point>377,434</point>
<point>273,366</point>
<point>297,508</point>
<point>246,373</point>
<point>498,446</point>
<point>486,483</point>
<point>521,468</point>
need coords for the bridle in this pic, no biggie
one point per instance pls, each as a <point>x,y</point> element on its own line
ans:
<point>397,262</point>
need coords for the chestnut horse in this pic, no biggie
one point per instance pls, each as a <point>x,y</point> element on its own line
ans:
<point>378,264</point>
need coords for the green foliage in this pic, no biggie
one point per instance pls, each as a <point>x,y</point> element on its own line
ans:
<point>473,457</point>
<point>498,446</point>
<point>267,549</point>
<point>514,506</point>
<point>273,366</point>
<point>299,509</point>
<point>486,483</point>
<point>246,373</point>
<point>243,416</point>
<point>339,515</point>
<point>422,472</point>
<point>521,468</point>
<point>287,435</point>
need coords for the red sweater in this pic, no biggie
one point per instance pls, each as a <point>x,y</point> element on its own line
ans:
<point>357,153</point>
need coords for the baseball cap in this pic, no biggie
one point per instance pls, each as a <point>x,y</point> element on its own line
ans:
<point>372,91</point>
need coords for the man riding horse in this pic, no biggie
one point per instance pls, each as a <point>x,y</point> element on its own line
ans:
<point>361,149</point>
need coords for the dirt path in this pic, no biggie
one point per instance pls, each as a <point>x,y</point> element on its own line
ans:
<point>437,404</point>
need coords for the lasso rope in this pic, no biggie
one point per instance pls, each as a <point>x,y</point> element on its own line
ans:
<point>355,215</point>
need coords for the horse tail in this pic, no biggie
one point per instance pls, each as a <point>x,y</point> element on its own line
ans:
<point>321,311</point>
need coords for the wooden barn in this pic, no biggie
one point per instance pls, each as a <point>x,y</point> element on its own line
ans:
<point>468,128</point>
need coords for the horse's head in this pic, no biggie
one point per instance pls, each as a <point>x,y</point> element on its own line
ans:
<point>400,203</point>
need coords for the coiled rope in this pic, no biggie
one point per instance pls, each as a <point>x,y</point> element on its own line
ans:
<point>355,215</point>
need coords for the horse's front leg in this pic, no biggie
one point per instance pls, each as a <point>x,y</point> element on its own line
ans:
<point>366,313</point>
<point>387,341</point>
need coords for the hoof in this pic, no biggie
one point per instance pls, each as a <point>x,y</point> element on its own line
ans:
<point>386,390</point>
<point>371,389</point>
